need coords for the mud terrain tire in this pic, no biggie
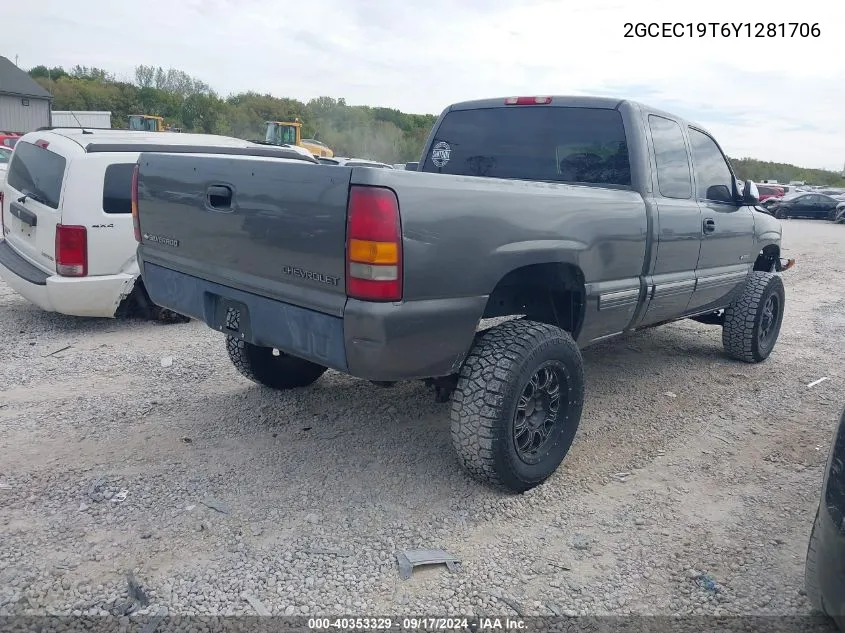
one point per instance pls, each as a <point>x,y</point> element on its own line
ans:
<point>271,368</point>
<point>753,321</point>
<point>505,403</point>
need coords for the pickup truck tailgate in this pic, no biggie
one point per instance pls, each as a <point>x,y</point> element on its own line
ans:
<point>271,227</point>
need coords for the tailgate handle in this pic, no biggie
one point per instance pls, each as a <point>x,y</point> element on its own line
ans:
<point>219,196</point>
<point>23,214</point>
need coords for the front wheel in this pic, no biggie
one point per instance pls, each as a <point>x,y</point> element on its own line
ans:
<point>753,321</point>
<point>517,404</point>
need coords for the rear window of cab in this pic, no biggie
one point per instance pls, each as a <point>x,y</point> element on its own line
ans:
<point>548,143</point>
<point>38,173</point>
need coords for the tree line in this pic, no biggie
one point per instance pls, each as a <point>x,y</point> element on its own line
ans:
<point>383,134</point>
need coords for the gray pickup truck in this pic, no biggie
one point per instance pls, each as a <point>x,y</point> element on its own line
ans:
<point>580,218</point>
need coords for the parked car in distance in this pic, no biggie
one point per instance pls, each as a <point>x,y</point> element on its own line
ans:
<point>67,222</point>
<point>807,205</point>
<point>591,217</point>
<point>5,157</point>
<point>8,139</point>
<point>770,191</point>
<point>824,572</point>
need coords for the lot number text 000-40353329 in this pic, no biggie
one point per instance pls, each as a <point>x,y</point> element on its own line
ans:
<point>721,29</point>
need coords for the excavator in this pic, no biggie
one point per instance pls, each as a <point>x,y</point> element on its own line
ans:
<point>290,133</point>
<point>150,123</point>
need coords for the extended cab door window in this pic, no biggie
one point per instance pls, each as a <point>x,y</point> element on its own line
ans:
<point>547,143</point>
<point>670,153</point>
<point>678,224</point>
<point>714,179</point>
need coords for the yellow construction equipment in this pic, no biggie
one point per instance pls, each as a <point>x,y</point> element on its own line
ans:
<point>150,123</point>
<point>290,133</point>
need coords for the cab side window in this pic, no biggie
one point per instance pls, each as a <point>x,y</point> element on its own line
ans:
<point>714,179</point>
<point>670,153</point>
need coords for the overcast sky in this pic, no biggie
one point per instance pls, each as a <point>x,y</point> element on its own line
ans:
<point>780,99</point>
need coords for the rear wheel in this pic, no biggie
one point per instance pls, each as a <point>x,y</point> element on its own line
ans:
<point>753,321</point>
<point>270,367</point>
<point>517,404</point>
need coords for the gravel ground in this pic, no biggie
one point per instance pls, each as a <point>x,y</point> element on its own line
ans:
<point>690,488</point>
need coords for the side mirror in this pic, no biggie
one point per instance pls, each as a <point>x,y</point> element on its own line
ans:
<point>750,194</point>
<point>719,193</point>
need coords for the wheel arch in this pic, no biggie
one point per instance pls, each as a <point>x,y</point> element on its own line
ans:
<point>548,292</point>
<point>768,257</point>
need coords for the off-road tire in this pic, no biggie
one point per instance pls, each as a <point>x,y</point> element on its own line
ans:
<point>743,318</point>
<point>490,383</point>
<point>811,574</point>
<point>262,366</point>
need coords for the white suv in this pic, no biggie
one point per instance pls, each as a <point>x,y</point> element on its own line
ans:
<point>66,215</point>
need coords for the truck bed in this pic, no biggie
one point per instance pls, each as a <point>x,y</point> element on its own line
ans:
<point>278,254</point>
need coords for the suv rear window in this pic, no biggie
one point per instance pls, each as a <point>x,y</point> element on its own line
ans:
<point>37,172</point>
<point>557,144</point>
<point>117,188</point>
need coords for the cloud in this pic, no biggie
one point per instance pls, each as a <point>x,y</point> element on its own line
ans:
<point>774,98</point>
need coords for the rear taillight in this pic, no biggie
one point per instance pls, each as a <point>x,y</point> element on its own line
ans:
<point>528,100</point>
<point>71,250</point>
<point>136,222</point>
<point>373,245</point>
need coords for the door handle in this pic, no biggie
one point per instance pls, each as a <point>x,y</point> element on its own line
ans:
<point>219,196</point>
<point>709,225</point>
<point>23,214</point>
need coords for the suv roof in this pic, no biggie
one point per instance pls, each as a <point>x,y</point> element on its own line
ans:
<point>100,140</point>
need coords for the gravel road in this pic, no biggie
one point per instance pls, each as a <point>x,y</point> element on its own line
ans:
<point>690,488</point>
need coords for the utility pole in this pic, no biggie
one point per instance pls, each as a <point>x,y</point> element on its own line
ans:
<point>16,60</point>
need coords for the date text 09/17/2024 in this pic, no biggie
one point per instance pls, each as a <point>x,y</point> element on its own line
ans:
<point>721,29</point>
<point>419,624</point>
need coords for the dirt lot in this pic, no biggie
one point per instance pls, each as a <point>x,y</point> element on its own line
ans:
<point>690,488</point>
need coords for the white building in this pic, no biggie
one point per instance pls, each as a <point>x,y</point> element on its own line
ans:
<point>24,104</point>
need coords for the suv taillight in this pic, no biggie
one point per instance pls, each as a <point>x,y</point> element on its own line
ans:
<point>136,222</point>
<point>71,250</point>
<point>373,245</point>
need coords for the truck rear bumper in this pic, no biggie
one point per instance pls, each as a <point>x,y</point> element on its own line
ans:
<point>415,339</point>
<point>375,341</point>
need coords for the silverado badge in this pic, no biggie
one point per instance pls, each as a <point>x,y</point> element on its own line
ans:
<point>161,239</point>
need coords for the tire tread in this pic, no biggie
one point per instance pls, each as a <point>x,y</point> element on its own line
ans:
<point>485,381</point>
